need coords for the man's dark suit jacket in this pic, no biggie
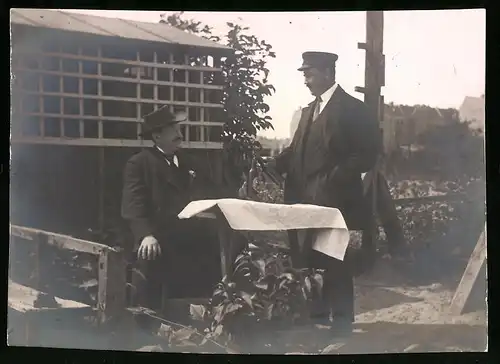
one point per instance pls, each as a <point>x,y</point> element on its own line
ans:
<point>154,193</point>
<point>324,164</point>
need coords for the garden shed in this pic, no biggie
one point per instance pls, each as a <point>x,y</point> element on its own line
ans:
<point>80,86</point>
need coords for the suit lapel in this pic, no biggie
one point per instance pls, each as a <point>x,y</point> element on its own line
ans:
<point>330,113</point>
<point>304,119</point>
<point>166,170</point>
<point>298,138</point>
<point>326,122</point>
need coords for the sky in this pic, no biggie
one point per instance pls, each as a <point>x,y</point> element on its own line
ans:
<point>433,57</point>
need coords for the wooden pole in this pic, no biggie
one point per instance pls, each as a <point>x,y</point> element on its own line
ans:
<point>100,152</point>
<point>112,279</point>
<point>374,63</point>
<point>374,80</point>
<point>101,182</point>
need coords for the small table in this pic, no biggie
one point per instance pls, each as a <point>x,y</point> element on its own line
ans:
<point>225,234</point>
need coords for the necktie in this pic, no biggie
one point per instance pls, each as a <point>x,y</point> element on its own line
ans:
<point>170,159</point>
<point>317,106</point>
<point>315,114</point>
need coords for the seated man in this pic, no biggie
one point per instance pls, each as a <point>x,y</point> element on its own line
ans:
<point>158,183</point>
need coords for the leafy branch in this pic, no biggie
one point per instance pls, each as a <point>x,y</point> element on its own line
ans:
<point>184,335</point>
<point>244,76</point>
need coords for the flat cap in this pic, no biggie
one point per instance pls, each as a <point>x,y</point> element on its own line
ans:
<point>317,60</point>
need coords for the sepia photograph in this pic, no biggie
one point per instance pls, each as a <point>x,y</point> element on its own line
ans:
<point>299,183</point>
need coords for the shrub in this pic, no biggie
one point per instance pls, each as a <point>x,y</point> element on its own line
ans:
<point>263,292</point>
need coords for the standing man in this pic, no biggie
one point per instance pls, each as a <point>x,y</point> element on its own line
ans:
<point>158,183</point>
<point>336,141</point>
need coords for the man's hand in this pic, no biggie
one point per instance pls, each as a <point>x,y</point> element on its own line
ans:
<point>149,248</point>
<point>242,192</point>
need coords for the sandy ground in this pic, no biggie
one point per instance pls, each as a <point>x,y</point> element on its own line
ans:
<point>414,318</point>
<point>390,318</point>
<point>384,296</point>
<point>400,319</point>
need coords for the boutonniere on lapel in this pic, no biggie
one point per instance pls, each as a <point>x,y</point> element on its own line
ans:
<point>192,177</point>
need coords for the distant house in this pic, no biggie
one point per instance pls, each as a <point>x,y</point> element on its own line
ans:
<point>473,110</point>
<point>398,126</point>
<point>403,124</point>
<point>450,115</point>
<point>427,117</point>
<point>271,147</point>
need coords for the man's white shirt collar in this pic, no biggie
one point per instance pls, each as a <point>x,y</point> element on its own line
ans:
<point>176,160</point>
<point>326,96</point>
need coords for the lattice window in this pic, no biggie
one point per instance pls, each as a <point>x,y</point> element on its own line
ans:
<point>87,96</point>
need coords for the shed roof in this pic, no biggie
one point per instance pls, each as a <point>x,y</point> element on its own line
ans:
<point>109,27</point>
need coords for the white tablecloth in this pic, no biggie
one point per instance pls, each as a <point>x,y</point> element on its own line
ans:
<point>332,235</point>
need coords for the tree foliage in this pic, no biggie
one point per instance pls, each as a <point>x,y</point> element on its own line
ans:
<point>244,77</point>
<point>453,151</point>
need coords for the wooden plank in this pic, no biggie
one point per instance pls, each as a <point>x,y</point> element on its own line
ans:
<point>155,81</point>
<point>99,98</point>
<point>121,99</point>
<point>138,90</point>
<point>113,118</point>
<point>81,124</point>
<point>429,199</point>
<point>170,65</point>
<point>61,241</point>
<point>41,107</point>
<point>22,299</point>
<point>186,97</point>
<point>171,78</point>
<point>143,81</point>
<point>38,239</point>
<point>92,142</point>
<point>470,276</point>
<point>101,184</point>
<point>42,265</point>
<point>202,110</point>
<point>25,313</point>
<point>111,299</point>
<point>30,327</point>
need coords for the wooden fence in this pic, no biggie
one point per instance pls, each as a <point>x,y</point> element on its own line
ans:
<point>111,298</point>
<point>430,199</point>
